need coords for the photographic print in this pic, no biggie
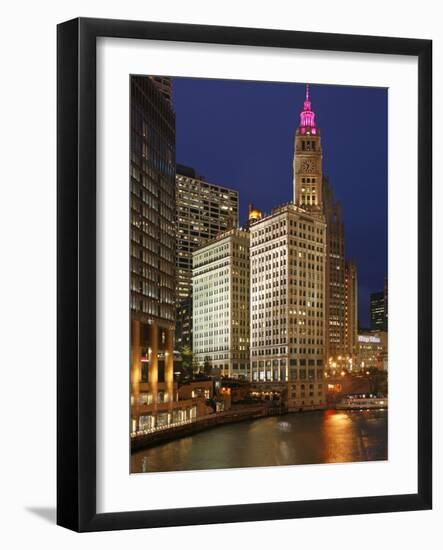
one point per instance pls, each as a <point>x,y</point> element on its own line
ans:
<point>258,272</point>
<point>236,280</point>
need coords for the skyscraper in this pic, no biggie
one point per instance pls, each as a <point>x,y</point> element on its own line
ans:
<point>221,304</point>
<point>164,85</point>
<point>351,312</point>
<point>335,274</point>
<point>313,193</point>
<point>378,310</point>
<point>152,233</point>
<point>204,210</point>
<point>288,304</point>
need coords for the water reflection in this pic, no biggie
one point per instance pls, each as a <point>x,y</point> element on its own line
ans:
<point>307,438</point>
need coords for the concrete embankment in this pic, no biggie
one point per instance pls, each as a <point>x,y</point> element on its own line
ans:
<point>234,415</point>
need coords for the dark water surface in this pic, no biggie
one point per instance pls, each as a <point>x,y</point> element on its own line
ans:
<point>300,438</point>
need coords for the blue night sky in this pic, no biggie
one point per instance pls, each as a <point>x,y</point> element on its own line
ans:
<point>241,134</point>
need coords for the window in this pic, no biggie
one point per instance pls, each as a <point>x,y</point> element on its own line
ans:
<point>144,372</point>
<point>161,371</point>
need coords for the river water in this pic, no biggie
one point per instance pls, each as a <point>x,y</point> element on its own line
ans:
<point>316,437</point>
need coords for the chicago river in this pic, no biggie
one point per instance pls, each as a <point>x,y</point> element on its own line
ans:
<point>316,437</point>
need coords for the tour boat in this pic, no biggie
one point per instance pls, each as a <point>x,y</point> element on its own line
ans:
<point>363,401</point>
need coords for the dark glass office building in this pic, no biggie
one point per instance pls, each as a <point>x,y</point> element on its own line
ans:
<point>152,253</point>
<point>379,311</point>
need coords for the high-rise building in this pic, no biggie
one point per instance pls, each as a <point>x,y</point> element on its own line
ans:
<point>313,193</point>
<point>152,233</point>
<point>288,250</point>
<point>221,304</point>
<point>164,85</point>
<point>204,210</point>
<point>378,311</point>
<point>351,313</point>
<point>335,275</point>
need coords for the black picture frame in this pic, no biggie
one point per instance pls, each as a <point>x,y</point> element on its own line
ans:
<point>76,279</point>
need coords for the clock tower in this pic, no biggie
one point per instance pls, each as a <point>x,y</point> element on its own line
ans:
<point>308,159</point>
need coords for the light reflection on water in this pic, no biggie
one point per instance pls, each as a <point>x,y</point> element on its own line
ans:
<point>301,438</point>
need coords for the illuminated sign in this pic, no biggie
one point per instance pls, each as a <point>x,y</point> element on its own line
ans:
<point>369,339</point>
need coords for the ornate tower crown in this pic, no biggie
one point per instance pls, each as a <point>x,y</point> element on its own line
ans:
<point>307,117</point>
<point>308,160</point>
<point>254,214</point>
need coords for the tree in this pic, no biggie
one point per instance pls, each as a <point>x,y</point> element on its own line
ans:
<point>187,357</point>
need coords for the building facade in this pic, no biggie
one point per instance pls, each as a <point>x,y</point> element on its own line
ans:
<point>351,314</point>
<point>221,304</point>
<point>379,316</point>
<point>204,210</point>
<point>288,251</point>
<point>164,86</point>
<point>152,219</point>
<point>335,275</point>
<point>372,350</point>
<point>313,193</point>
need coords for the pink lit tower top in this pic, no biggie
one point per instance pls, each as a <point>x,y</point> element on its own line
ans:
<point>307,116</point>
<point>308,160</point>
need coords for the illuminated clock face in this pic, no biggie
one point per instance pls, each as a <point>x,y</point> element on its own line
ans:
<point>308,166</point>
